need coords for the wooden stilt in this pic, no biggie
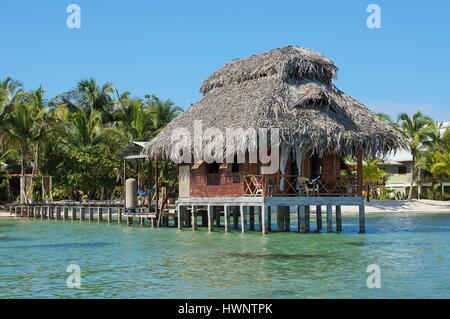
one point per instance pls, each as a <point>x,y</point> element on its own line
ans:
<point>64,213</point>
<point>91,214</point>
<point>279,219</point>
<point>307,219</point>
<point>180,217</point>
<point>235,218</point>
<point>194,217</point>
<point>226,213</point>
<point>287,219</point>
<point>119,215</point>
<point>16,211</point>
<point>74,213</point>
<point>210,218</point>
<point>338,219</point>
<point>301,219</point>
<point>99,214</point>
<point>260,217</point>
<point>49,213</point>
<point>243,219</point>
<point>81,213</point>
<point>329,218</point>
<point>129,221</point>
<point>109,215</point>
<point>217,215</point>
<point>362,219</point>
<point>251,217</point>
<point>264,220</point>
<point>319,217</point>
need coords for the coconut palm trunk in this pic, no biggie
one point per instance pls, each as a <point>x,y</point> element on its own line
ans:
<point>413,172</point>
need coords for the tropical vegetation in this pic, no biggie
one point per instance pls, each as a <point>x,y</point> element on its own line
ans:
<point>74,137</point>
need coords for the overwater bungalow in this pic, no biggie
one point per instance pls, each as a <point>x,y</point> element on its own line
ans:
<point>289,92</point>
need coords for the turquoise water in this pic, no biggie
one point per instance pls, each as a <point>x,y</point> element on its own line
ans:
<point>412,251</point>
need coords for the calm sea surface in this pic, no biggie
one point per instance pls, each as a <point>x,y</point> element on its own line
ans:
<point>117,261</point>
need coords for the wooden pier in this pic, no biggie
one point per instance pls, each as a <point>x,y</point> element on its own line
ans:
<point>233,213</point>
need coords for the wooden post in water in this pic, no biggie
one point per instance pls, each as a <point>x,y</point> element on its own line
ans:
<point>243,219</point>
<point>226,216</point>
<point>74,213</point>
<point>65,213</point>
<point>99,214</point>
<point>210,218</point>
<point>319,217</point>
<point>264,219</point>
<point>119,215</point>
<point>109,215</point>
<point>301,219</point>
<point>16,211</point>
<point>81,213</point>
<point>329,218</point>
<point>91,214</point>
<point>338,219</point>
<point>180,217</point>
<point>362,219</point>
<point>235,219</point>
<point>279,219</point>
<point>217,215</point>
<point>49,213</point>
<point>307,218</point>
<point>194,217</point>
<point>251,217</point>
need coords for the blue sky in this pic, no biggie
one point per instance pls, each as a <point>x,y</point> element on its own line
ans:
<point>168,48</point>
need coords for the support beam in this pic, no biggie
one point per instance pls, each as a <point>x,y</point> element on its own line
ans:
<point>99,214</point>
<point>329,218</point>
<point>226,213</point>
<point>119,215</point>
<point>319,217</point>
<point>251,217</point>
<point>264,219</point>
<point>301,219</point>
<point>235,219</point>
<point>307,219</point>
<point>180,217</point>
<point>91,214</point>
<point>210,218</point>
<point>194,217</point>
<point>74,213</point>
<point>362,219</point>
<point>65,213</point>
<point>109,215</point>
<point>81,213</point>
<point>338,219</point>
<point>243,219</point>
<point>217,215</point>
<point>359,169</point>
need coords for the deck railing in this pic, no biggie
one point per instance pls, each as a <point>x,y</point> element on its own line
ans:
<point>294,185</point>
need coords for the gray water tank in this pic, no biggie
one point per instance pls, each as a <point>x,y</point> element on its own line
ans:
<point>131,193</point>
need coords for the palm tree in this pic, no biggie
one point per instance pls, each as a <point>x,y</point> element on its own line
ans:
<point>24,126</point>
<point>415,130</point>
<point>89,96</point>
<point>10,91</point>
<point>425,161</point>
<point>163,112</point>
<point>372,175</point>
<point>442,166</point>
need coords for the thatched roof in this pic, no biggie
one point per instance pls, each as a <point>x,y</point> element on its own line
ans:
<point>291,89</point>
